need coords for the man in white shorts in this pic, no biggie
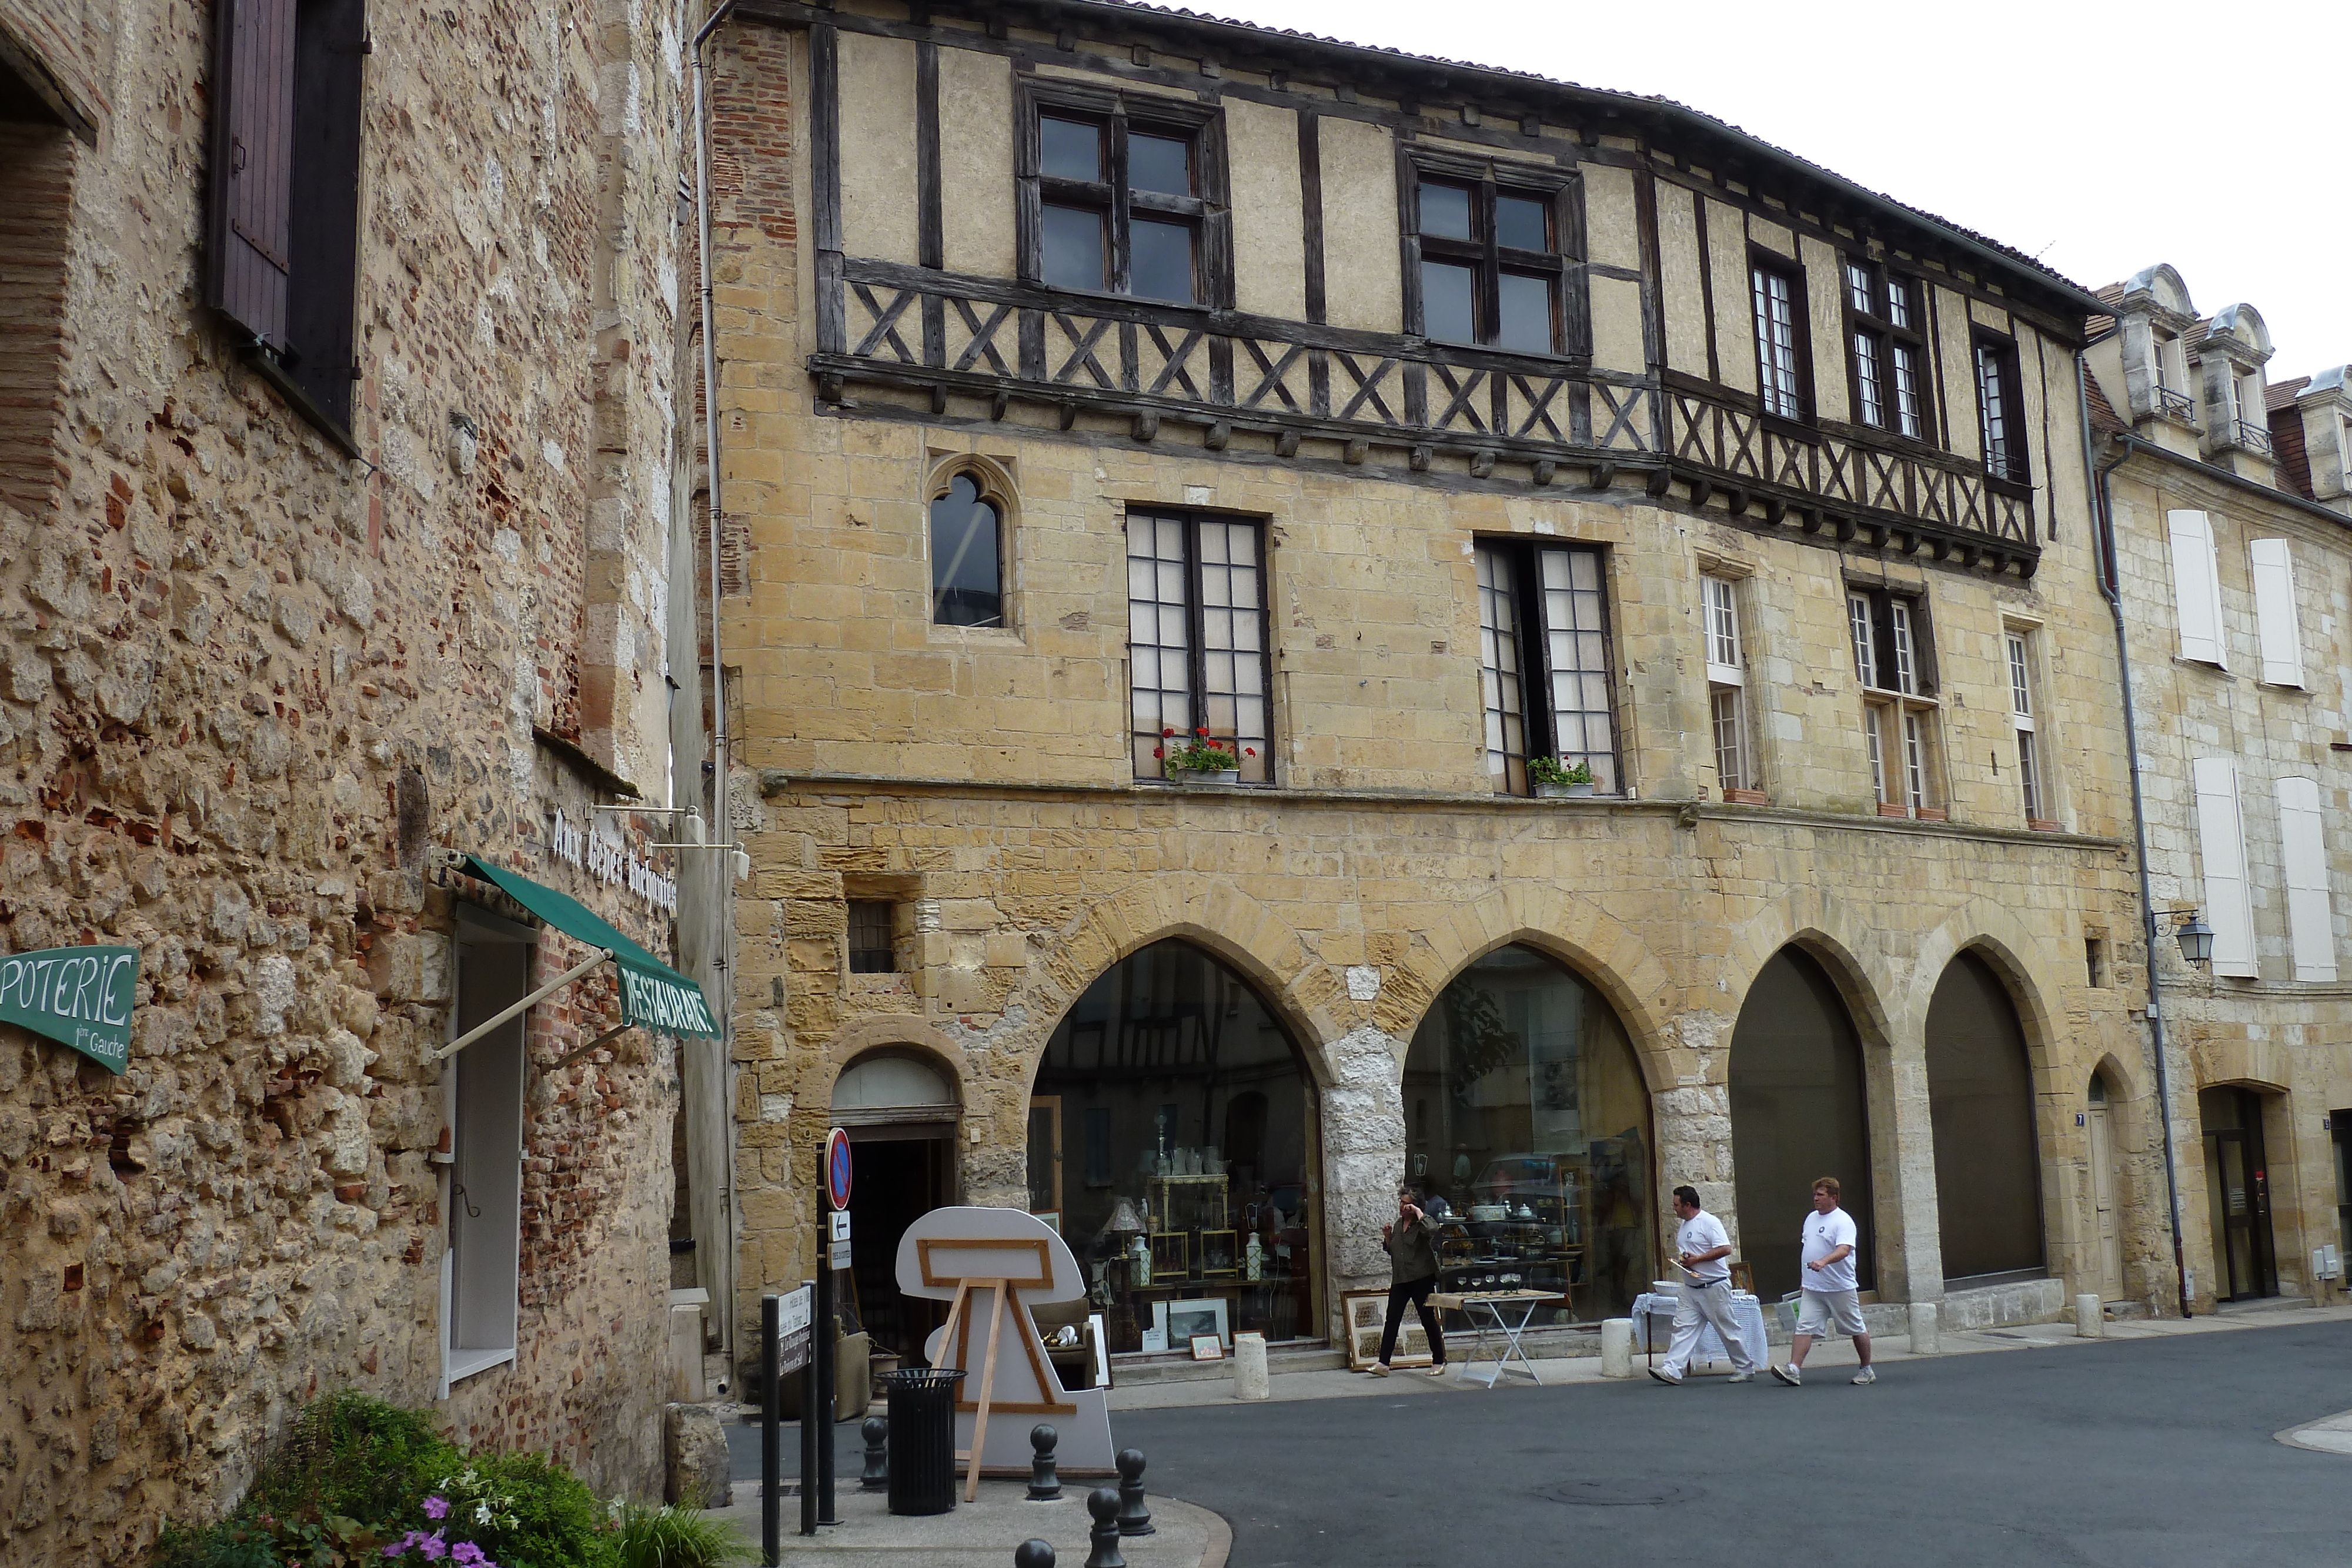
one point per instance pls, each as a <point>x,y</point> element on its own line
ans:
<point>1828,1292</point>
<point>1701,1245</point>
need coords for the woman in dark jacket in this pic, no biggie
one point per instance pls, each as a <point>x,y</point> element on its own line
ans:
<point>1411,1241</point>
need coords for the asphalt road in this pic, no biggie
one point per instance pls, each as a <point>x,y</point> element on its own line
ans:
<point>2147,1454</point>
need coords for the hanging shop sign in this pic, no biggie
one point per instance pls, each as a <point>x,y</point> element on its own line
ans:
<point>602,855</point>
<point>80,997</point>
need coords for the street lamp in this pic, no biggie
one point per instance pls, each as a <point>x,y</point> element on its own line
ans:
<point>2196,939</point>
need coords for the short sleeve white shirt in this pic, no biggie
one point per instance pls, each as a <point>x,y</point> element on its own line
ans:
<point>1703,1232</point>
<point>1824,1234</point>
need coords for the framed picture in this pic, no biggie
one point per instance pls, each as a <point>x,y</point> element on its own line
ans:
<point>1155,1339</point>
<point>1180,1323</point>
<point>1052,1217</point>
<point>1367,1314</point>
<point>1208,1347</point>
<point>1221,1252</point>
<point>1102,1352</point>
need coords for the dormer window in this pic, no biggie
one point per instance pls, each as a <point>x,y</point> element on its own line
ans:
<point>2253,428</point>
<point>2000,410</point>
<point>2168,375</point>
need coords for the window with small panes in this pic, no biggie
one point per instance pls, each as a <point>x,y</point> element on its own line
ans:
<point>1125,196</point>
<point>1893,662</point>
<point>1886,348</point>
<point>1493,256</point>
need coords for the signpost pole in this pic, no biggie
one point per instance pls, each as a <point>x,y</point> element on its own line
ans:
<point>822,1349</point>
<point>808,1428</point>
<point>772,1465</point>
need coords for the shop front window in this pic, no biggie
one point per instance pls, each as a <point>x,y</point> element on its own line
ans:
<point>1527,1119</point>
<point>1176,1116</point>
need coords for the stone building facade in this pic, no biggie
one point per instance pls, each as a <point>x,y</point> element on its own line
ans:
<point>304,584</point>
<point>2225,492</point>
<point>1092,371</point>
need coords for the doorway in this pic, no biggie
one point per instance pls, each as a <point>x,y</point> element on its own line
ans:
<point>2237,1195</point>
<point>2105,1227</point>
<point>895,1180</point>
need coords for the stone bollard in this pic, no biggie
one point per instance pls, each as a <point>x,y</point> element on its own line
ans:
<point>1134,1519</point>
<point>2090,1323</point>
<point>1044,1481</point>
<point>1617,1347</point>
<point>876,1475</point>
<point>1033,1554</point>
<point>1103,1503</point>
<point>1925,1340</point>
<point>1250,1380</point>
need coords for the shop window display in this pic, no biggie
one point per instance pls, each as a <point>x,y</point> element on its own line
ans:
<point>1528,1124</point>
<point>1176,1152</point>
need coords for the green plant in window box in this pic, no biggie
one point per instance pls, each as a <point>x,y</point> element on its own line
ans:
<point>1555,779</point>
<point>1203,759</point>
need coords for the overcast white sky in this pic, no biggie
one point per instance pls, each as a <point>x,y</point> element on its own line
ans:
<point>2102,140</point>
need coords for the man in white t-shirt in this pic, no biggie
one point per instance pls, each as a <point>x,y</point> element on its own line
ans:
<point>1701,1245</point>
<point>1829,1292</point>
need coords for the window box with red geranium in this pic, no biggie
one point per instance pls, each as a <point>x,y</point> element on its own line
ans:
<point>1202,760</point>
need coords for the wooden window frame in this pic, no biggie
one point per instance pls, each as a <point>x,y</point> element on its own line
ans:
<point>1878,324</point>
<point>1208,209</point>
<point>1899,697</point>
<point>2015,471</point>
<point>1790,272</point>
<point>1738,767</point>
<point>2019,656</point>
<point>1561,193</point>
<point>1196,640</point>
<point>852,953</point>
<point>283,221</point>
<point>1539,724</point>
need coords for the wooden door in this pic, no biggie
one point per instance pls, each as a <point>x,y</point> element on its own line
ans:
<point>2105,1218</point>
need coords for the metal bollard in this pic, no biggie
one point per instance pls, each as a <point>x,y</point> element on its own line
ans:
<point>876,1474</point>
<point>1045,1481</point>
<point>1134,1519</point>
<point>1033,1554</point>
<point>1103,1503</point>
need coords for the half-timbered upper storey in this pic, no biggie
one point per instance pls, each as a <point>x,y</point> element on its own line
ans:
<point>1102,207</point>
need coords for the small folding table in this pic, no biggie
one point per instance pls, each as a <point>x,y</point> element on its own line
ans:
<point>1506,1313</point>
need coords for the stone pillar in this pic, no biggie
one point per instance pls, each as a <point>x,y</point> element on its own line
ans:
<point>1927,1338</point>
<point>1910,1252</point>
<point>2090,1322</point>
<point>1617,1347</point>
<point>1250,1380</point>
<point>1364,1158</point>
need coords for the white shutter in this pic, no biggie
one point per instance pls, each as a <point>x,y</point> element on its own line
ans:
<point>2222,835</point>
<point>2302,846</point>
<point>2281,639</point>
<point>2196,588</point>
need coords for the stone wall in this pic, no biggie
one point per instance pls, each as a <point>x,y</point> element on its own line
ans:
<point>248,682</point>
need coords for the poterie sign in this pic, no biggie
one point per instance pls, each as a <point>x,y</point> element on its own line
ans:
<point>80,997</point>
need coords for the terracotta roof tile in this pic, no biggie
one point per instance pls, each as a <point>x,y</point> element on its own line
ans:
<point>2286,442</point>
<point>2104,418</point>
<point>2281,395</point>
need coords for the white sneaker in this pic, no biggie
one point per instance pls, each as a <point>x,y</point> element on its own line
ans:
<point>1867,1375</point>
<point>1789,1375</point>
<point>1743,1378</point>
<point>1378,1369</point>
<point>1438,1371</point>
<point>1671,1379</point>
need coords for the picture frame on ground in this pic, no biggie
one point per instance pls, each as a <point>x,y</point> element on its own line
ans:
<point>1180,1322</point>
<point>1208,1347</point>
<point>1102,1352</point>
<point>1366,1313</point>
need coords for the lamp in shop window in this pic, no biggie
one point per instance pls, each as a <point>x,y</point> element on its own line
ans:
<point>2196,939</point>
<point>1124,1222</point>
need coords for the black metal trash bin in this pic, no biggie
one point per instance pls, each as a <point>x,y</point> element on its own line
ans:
<point>922,1439</point>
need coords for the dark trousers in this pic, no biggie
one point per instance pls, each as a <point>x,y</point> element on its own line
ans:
<point>1417,1292</point>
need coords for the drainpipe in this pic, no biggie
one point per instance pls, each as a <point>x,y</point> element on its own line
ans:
<point>724,891</point>
<point>2111,588</point>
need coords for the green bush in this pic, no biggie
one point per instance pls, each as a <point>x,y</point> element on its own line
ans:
<point>674,1537</point>
<point>358,1481</point>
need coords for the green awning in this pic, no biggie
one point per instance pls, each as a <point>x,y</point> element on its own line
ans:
<point>652,993</point>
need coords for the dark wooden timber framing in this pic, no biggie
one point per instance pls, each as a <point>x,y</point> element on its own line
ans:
<point>1310,208</point>
<point>930,219</point>
<point>1066,27</point>
<point>1707,285</point>
<point>824,178</point>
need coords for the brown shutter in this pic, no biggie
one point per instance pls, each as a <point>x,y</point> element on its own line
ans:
<point>252,154</point>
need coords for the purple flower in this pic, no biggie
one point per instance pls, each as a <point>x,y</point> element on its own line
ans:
<point>437,1508</point>
<point>418,1541</point>
<point>432,1547</point>
<point>467,1552</point>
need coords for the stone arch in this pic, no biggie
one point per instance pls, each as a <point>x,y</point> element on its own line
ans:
<point>1575,932</point>
<point>993,486</point>
<point>895,1033</point>
<point>2002,940</point>
<point>1846,947</point>
<point>2252,1063</point>
<point>2244,324</point>
<point>2162,283</point>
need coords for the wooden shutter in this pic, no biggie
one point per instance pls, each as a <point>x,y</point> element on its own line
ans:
<point>2197,588</point>
<point>2281,637</point>
<point>252,89</point>
<point>2302,846</point>
<point>330,49</point>
<point>2222,837</point>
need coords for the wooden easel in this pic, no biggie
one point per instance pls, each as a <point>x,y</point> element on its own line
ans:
<point>998,1290</point>
<point>1003,1293</point>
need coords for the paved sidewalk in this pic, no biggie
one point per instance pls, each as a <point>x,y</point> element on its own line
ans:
<point>1887,1351</point>
<point>980,1534</point>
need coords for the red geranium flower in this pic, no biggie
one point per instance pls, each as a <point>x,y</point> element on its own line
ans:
<point>1158,751</point>
<point>1166,733</point>
<point>1203,730</point>
<point>1249,751</point>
